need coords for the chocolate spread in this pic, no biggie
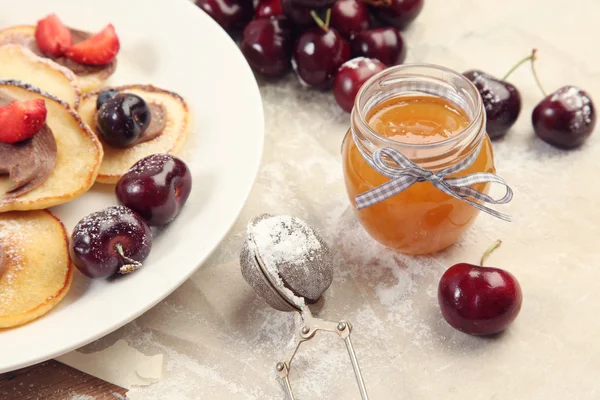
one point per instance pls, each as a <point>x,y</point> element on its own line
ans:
<point>158,121</point>
<point>29,42</point>
<point>28,163</point>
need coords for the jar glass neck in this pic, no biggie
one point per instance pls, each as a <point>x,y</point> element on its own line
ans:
<point>421,80</point>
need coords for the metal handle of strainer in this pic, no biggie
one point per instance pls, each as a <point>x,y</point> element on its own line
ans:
<point>307,326</point>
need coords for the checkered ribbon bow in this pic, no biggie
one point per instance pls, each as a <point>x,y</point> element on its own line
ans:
<point>405,173</point>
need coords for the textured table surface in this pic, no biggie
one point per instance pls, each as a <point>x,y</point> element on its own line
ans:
<point>221,341</point>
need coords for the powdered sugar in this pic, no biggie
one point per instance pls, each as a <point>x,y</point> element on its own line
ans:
<point>288,239</point>
<point>285,240</point>
<point>13,236</point>
<point>95,224</point>
<point>356,63</point>
<point>578,102</point>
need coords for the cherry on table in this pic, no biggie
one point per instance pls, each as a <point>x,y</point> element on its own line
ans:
<point>351,76</point>
<point>397,13</point>
<point>565,118</point>
<point>384,44</point>
<point>268,8</point>
<point>318,53</point>
<point>113,240</point>
<point>349,17</point>
<point>479,300</point>
<point>501,100</point>
<point>156,187</point>
<point>267,45</point>
<point>232,15</point>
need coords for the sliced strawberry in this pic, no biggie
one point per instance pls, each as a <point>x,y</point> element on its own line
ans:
<point>21,120</point>
<point>99,49</point>
<point>52,36</point>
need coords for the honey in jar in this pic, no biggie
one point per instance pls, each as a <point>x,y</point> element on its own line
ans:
<point>434,117</point>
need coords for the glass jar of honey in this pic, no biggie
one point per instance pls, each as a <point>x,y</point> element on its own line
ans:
<point>435,118</point>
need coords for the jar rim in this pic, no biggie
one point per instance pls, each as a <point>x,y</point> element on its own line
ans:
<point>359,115</point>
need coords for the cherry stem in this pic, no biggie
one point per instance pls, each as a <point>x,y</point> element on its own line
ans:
<point>489,251</point>
<point>130,265</point>
<point>530,57</point>
<point>319,21</point>
<point>535,74</point>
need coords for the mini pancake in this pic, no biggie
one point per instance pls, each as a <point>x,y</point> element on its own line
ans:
<point>78,158</point>
<point>117,161</point>
<point>17,62</point>
<point>37,271</point>
<point>26,33</point>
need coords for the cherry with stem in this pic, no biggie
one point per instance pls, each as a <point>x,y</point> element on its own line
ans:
<point>565,118</point>
<point>319,52</point>
<point>479,300</point>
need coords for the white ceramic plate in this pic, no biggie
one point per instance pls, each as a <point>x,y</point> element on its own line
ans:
<point>172,44</point>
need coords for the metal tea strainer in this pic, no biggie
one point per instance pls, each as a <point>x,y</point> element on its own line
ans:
<point>290,266</point>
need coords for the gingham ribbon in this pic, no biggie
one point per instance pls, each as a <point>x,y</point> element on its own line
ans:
<point>405,173</point>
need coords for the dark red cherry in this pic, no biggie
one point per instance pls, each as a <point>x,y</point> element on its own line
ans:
<point>565,118</point>
<point>113,240</point>
<point>317,56</point>
<point>122,118</point>
<point>399,13</point>
<point>479,300</point>
<point>297,14</point>
<point>232,15</point>
<point>384,44</point>
<point>156,187</point>
<point>350,17</point>
<point>312,4</point>
<point>267,45</point>
<point>351,76</point>
<point>268,8</point>
<point>501,100</point>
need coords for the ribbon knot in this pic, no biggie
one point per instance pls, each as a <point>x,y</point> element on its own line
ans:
<point>403,173</point>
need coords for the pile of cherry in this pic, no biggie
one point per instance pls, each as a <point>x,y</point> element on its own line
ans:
<point>342,43</point>
<point>339,43</point>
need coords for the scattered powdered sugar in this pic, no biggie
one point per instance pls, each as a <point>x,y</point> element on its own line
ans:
<point>95,224</point>
<point>578,102</point>
<point>156,163</point>
<point>489,91</point>
<point>14,234</point>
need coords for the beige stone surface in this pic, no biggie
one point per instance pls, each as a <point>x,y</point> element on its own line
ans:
<point>221,342</point>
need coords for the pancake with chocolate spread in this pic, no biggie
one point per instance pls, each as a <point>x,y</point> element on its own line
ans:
<point>169,126</point>
<point>89,77</point>
<point>58,164</point>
